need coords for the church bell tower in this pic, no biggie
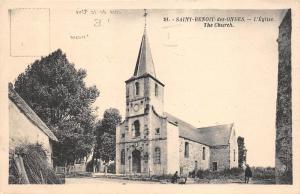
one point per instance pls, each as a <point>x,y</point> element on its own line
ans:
<point>141,138</point>
<point>143,89</point>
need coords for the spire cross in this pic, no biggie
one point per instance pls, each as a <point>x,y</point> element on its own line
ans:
<point>145,15</point>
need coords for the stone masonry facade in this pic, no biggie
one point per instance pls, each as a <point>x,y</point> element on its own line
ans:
<point>197,158</point>
<point>152,142</point>
<point>284,156</point>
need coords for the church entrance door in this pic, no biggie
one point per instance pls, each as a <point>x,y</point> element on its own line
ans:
<point>136,161</point>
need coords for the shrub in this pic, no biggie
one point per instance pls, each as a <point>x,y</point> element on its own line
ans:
<point>111,168</point>
<point>224,174</point>
<point>36,166</point>
<point>192,174</point>
<point>263,173</point>
<point>89,166</point>
<point>233,171</point>
<point>162,177</point>
<point>200,174</point>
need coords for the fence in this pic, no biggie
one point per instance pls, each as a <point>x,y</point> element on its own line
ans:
<point>70,169</point>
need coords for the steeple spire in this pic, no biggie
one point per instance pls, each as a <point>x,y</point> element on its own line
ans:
<point>145,16</point>
<point>144,64</point>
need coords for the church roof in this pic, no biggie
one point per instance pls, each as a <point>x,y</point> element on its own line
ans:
<point>144,64</point>
<point>29,113</point>
<point>211,136</point>
<point>216,135</point>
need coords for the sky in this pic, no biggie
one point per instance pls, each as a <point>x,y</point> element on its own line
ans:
<point>212,75</point>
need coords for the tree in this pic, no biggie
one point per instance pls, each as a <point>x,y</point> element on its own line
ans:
<point>106,135</point>
<point>242,151</point>
<point>56,91</point>
<point>107,147</point>
<point>111,118</point>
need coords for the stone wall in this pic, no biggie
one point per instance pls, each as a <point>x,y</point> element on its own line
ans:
<point>156,101</point>
<point>234,152</point>
<point>153,134</point>
<point>146,96</point>
<point>132,99</point>
<point>157,140</point>
<point>221,155</point>
<point>187,164</point>
<point>172,148</point>
<point>120,169</point>
<point>283,158</point>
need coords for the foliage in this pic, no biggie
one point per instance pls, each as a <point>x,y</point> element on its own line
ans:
<point>89,166</point>
<point>222,174</point>
<point>106,136</point>
<point>241,151</point>
<point>36,166</point>
<point>162,177</point>
<point>286,177</point>
<point>56,91</point>
<point>111,168</point>
<point>263,173</point>
<point>106,147</point>
<point>111,118</point>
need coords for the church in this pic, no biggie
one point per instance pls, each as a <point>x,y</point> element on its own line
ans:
<point>151,141</point>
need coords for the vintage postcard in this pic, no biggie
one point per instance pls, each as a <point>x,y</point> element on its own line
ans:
<point>115,97</point>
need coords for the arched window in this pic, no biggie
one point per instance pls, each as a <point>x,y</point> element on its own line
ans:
<point>186,149</point>
<point>156,90</point>
<point>136,125</point>
<point>234,155</point>
<point>157,155</point>
<point>137,88</point>
<point>157,131</point>
<point>127,91</point>
<point>123,157</point>
<point>203,153</point>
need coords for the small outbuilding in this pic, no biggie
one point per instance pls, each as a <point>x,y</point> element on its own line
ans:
<point>25,126</point>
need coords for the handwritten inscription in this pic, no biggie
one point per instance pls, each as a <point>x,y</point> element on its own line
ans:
<point>79,37</point>
<point>97,12</point>
<point>95,18</point>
